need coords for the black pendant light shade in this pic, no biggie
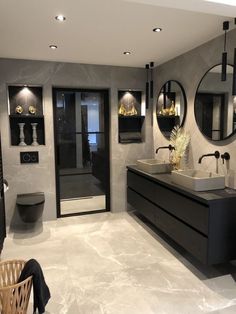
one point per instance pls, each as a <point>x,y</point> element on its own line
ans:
<point>164,96</point>
<point>147,95</point>
<point>151,82</point>
<point>147,87</point>
<point>234,75</point>
<point>234,70</point>
<point>224,66</point>
<point>224,54</point>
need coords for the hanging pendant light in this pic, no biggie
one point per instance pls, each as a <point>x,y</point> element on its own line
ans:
<point>164,96</point>
<point>234,75</point>
<point>234,70</point>
<point>224,54</point>
<point>147,86</point>
<point>151,82</point>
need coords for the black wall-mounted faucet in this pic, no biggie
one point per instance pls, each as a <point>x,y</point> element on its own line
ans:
<point>216,154</point>
<point>170,147</point>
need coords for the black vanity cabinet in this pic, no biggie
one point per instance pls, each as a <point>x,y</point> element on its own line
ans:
<point>203,223</point>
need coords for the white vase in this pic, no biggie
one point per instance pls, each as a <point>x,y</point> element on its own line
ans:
<point>34,136</point>
<point>22,135</point>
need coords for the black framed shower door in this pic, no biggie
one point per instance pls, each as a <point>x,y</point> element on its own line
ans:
<point>81,130</point>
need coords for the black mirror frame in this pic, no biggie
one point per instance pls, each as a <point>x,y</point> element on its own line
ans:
<point>185,104</point>
<point>208,138</point>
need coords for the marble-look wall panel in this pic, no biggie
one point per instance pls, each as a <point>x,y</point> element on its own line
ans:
<point>41,177</point>
<point>188,69</point>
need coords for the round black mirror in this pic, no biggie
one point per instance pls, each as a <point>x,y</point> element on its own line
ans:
<point>214,106</point>
<point>171,107</point>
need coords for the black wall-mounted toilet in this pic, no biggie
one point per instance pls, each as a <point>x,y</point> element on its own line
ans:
<point>30,206</point>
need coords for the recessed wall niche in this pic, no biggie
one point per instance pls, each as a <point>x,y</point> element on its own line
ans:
<point>26,115</point>
<point>131,116</point>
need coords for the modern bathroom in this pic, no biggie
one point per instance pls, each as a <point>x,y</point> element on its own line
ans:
<point>118,169</point>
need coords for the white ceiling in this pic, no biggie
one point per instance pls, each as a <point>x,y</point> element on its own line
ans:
<point>99,31</point>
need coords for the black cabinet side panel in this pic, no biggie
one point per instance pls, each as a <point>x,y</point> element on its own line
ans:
<point>222,233</point>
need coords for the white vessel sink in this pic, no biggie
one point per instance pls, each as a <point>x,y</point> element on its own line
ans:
<point>153,166</point>
<point>198,180</point>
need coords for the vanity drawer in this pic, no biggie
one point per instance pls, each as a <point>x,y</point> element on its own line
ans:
<point>146,208</point>
<point>194,242</point>
<point>192,212</point>
<point>182,234</point>
<point>141,185</point>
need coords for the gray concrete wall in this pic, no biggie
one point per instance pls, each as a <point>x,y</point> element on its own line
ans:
<point>41,177</point>
<point>188,69</point>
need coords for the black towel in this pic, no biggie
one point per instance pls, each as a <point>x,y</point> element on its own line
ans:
<point>41,290</point>
<point>129,137</point>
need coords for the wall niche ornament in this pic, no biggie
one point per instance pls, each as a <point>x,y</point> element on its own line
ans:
<point>171,107</point>
<point>19,109</point>
<point>32,109</point>
<point>129,103</point>
<point>22,134</point>
<point>214,105</point>
<point>25,110</point>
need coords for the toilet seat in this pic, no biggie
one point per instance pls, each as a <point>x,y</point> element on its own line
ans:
<point>30,199</point>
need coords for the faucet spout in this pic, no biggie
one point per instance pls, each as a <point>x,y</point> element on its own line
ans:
<point>216,154</point>
<point>170,147</point>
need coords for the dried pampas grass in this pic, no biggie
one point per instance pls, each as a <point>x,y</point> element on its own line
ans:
<point>180,139</point>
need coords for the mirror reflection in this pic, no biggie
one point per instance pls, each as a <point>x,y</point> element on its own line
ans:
<point>171,107</point>
<point>214,106</point>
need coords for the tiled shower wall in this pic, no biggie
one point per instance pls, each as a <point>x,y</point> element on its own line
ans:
<point>41,177</point>
<point>189,69</point>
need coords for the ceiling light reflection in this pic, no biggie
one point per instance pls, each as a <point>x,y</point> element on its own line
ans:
<point>227,2</point>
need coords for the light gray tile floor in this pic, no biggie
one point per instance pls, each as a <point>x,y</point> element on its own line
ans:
<point>115,264</point>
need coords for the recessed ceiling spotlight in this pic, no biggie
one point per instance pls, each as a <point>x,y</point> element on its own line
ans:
<point>60,18</point>
<point>126,52</point>
<point>157,29</point>
<point>53,47</point>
